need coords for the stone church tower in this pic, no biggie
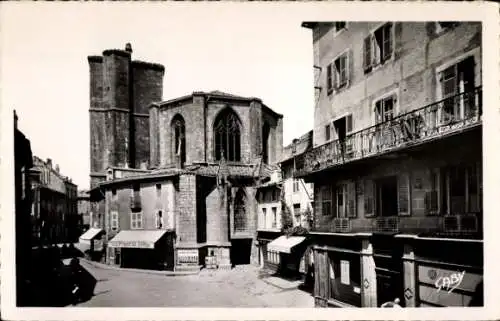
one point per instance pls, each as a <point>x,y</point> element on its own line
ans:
<point>121,90</point>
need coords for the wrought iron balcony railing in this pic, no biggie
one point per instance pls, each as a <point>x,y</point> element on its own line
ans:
<point>432,121</point>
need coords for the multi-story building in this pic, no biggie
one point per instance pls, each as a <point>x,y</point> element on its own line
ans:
<point>285,200</point>
<point>23,162</point>
<point>396,162</point>
<point>299,195</point>
<point>185,187</point>
<point>84,209</point>
<point>54,210</point>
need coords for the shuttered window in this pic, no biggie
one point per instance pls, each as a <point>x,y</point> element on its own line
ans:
<point>404,194</point>
<point>351,199</point>
<point>378,47</point>
<point>327,132</point>
<point>342,70</point>
<point>369,198</point>
<point>326,200</point>
<point>367,56</point>
<point>384,109</point>
<point>432,195</point>
<point>349,124</point>
<point>329,78</point>
<point>340,199</point>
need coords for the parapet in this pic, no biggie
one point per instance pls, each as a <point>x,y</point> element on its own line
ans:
<point>148,65</point>
<point>118,52</point>
<point>94,59</point>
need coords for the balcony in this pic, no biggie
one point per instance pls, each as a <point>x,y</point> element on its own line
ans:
<point>458,225</point>
<point>442,118</point>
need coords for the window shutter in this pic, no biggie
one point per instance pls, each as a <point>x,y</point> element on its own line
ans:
<point>388,33</point>
<point>431,202</point>
<point>329,77</point>
<point>378,111</point>
<point>351,199</point>
<point>369,198</point>
<point>348,66</point>
<point>333,203</point>
<point>375,51</point>
<point>367,57</point>
<point>348,126</point>
<point>336,71</point>
<point>404,194</point>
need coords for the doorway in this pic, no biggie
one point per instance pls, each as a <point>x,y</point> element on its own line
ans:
<point>387,196</point>
<point>241,250</point>
<point>389,269</point>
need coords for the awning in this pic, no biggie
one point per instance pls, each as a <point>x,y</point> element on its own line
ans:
<point>91,234</point>
<point>141,239</point>
<point>285,244</point>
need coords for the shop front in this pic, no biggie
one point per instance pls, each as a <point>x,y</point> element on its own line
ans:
<point>143,249</point>
<point>344,270</point>
<point>91,243</point>
<point>268,260</point>
<point>290,251</point>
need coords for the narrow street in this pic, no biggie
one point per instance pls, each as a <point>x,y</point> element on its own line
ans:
<point>240,287</point>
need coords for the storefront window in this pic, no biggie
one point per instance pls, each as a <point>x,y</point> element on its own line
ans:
<point>345,276</point>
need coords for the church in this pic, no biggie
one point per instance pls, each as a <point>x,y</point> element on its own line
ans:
<point>175,181</point>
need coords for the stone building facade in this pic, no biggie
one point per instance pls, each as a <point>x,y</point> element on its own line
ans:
<point>396,162</point>
<point>54,209</point>
<point>192,199</point>
<point>85,209</point>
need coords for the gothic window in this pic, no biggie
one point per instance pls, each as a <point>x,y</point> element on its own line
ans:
<point>179,138</point>
<point>240,217</point>
<point>227,136</point>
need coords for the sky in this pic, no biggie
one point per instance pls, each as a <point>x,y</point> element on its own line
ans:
<point>250,51</point>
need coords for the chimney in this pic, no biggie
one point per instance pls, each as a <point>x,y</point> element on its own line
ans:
<point>49,162</point>
<point>128,47</point>
<point>57,168</point>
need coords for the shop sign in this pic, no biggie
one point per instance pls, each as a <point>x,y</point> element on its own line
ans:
<point>188,256</point>
<point>133,244</point>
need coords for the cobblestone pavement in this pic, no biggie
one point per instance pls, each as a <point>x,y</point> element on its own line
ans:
<point>240,287</point>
